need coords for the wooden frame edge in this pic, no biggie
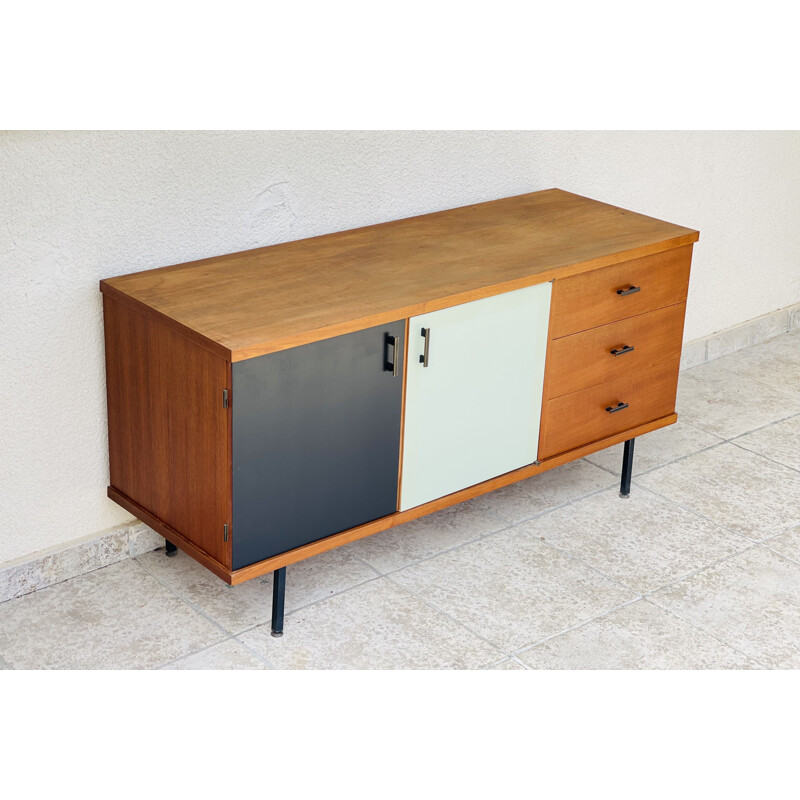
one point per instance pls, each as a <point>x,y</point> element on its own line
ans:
<point>148,311</point>
<point>170,534</point>
<point>384,523</point>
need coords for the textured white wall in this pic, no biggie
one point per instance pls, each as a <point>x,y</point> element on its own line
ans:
<point>76,207</point>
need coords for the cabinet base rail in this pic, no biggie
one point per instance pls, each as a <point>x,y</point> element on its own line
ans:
<point>235,577</point>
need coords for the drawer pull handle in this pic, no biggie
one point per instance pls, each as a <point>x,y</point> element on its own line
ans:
<point>617,407</point>
<point>426,334</point>
<point>630,290</point>
<point>627,348</point>
<point>393,342</point>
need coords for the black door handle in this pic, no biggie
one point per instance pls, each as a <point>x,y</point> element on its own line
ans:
<point>617,407</point>
<point>625,349</point>
<point>631,290</point>
<point>393,342</point>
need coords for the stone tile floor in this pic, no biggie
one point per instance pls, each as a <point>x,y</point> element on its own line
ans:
<point>699,569</point>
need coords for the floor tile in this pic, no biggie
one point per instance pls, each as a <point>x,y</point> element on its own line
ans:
<point>750,601</point>
<point>656,448</point>
<point>547,490</point>
<point>229,654</point>
<point>638,636</point>
<point>744,491</point>
<point>787,544</point>
<point>512,589</point>
<point>118,617</point>
<point>425,537</point>
<point>237,608</point>
<point>375,626</point>
<point>643,541</point>
<point>775,363</point>
<point>780,442</point>
<point>509,663</point>
<point>721,402</point>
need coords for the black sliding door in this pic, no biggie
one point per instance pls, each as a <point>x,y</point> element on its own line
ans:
<point>316,440</point>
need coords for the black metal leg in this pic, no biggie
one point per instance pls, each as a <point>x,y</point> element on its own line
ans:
<point>627,469</point>
<point>278,595</point>
<point>171,549</point>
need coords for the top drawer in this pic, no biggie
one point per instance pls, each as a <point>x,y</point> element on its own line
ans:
<point>596,298</point>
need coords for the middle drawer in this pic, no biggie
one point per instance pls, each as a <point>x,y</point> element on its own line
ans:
<point>600,354</point>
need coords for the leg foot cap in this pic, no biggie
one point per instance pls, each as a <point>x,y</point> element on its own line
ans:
<point>276,634</point>
<point>624,496</point>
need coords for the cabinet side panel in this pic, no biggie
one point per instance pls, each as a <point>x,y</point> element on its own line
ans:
<point>316,441</point>
<point>167,428</point>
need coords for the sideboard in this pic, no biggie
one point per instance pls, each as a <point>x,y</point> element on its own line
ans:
<point>272,404</point>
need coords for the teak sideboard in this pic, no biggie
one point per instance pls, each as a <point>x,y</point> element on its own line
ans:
<point>272,404</point>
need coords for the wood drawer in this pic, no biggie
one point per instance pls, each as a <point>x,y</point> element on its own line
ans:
<point>586,359</point>
<point>581,417</point>
<point>590,299</point>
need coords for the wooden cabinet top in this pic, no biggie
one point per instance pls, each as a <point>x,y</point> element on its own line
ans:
<point>259,301</point>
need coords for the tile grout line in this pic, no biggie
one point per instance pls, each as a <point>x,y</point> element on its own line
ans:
<point>452,549</point>
<point>695,512</point>
<point>723,440</point>
<point>287,614</point>
<point>322,599</point>
<point>576,626</point>
<point>637,595</point>
<point>581,561</point>
<point>258,655</point>
<point>778,389</point>
<point>666,463</point>
<point>227,634</point>
<point>750,543</point>
<point>499,648</point>
<point>791,559</point>
<point>508,526</point>
<point>762,427</point>
<point>705,632</point>
<point>761,455</point>
<point>193,653</point>
<point>650,592</point>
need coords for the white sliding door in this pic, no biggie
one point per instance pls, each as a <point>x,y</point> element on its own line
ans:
<point>473,412</point>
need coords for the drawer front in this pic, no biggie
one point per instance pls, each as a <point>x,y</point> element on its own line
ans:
<point>581,417</point>
<point>611,351</point>
<point>624,290</point>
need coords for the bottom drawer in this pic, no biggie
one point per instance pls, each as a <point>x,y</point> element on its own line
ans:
<point>581,417</point>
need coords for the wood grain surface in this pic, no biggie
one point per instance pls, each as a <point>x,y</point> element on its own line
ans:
<point>580,417</point>
<point>586,301</point>
<point>168,433</point>
<point>585,359</point>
